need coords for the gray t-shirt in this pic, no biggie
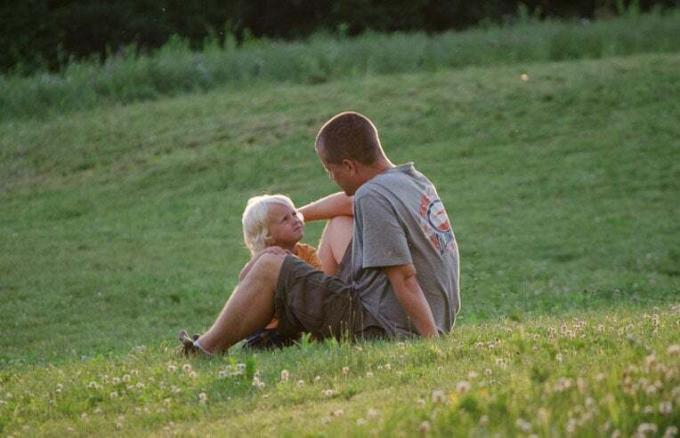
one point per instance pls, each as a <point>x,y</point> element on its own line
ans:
<point>399,219</point>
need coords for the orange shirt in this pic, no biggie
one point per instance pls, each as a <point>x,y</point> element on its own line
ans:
<point>306,253</point>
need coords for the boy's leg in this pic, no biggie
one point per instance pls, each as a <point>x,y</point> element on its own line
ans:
<point>334,242</point>
<point>250,307</point>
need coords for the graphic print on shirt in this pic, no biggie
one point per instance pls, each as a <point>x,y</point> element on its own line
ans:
<point>435,222</point>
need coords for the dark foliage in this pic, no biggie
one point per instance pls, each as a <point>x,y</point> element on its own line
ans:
<point>38,34</point>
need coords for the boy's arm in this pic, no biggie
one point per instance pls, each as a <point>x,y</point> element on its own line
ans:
<point>412,299</point>
<point>337,204</point>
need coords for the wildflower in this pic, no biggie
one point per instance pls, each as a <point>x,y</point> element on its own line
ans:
<point>240,368</point>
<point>646,428</point>
<point>187,368</point>
<point>372,413</point>
<point>115,380</point>
<point>175,390</point>
<point>193,374</point>
<point>488,372</point>
<point>401,345</point>
<point>361,421</point>
<point>673,350</point>
<point>671,431</point>
<point>300,383</point>
<point>571,426</point>
<point>172,368</point>
<point>388,367</point>
<point>647,410</point>
<point>524,77</point>
<point>438,396</point>
<point>202,398</point>
<point>284,375</point>
<point>345,370</point>
<point>317,378</point>
<point>126,378</point>
<point>167,401</point>
<point>369,374</point>
<point>600,377</point>
<point>665,408</point>
<point>463,386</point>
<point>559,358</point>
<point>223,374</point>
<point>523,425</point>
<point>134,372</point>
<point>328,393</point>
<point>114,394</point>
<point>484,420</point>
<point>420,402</point>
<point>650,390</point>
<point>257,383</point>
<point>337,413</point>
<point>93,385</point>
<point>472,375</point>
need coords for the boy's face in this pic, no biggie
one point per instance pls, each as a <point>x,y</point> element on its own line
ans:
<point>285,226</point>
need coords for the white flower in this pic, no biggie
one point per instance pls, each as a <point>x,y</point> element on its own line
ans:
<point>523,425</point>
<point>223,374</point>
<point>114,394</point>
<point>369,374</point>
<point>361,421</point>
<point>115,380</point>
<point>202,397</point>
<point>187,368</point>
<point>463,386</point>
<point>438,396</point>
<point>172,368</point>
<point>126,378</point>
<point>472,375</point>
<point>673,350</point>
<point>484,420</point>
<point>665,408</point>
<point>372,413</point>
<point>424,427</point>
<point>284,375</point>
<point>300,383</point>
<point>345,370</point>
<point>328,392</point>
<point>337,413</point>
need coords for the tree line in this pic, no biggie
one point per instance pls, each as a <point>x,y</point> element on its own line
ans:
<point>46,34</point>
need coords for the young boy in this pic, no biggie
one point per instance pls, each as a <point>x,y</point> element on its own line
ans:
<point>271,223</point>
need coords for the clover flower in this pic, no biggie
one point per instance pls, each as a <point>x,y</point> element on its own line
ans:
<point>438,396</point>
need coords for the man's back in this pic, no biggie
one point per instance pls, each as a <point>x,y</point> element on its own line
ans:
<point>399,219</point>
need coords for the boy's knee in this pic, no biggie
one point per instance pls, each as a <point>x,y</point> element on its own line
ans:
<point>268,265</point>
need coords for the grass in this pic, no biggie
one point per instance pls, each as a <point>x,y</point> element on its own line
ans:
<point>175,69</point>
<point>120,225</point>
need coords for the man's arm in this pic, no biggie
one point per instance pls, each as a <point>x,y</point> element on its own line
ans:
<point>412,299</point>
<point>337,204</point>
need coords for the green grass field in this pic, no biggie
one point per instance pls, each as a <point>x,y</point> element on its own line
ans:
<point>121,225</point>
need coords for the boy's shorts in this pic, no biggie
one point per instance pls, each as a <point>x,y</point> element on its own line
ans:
<point>307,300</point>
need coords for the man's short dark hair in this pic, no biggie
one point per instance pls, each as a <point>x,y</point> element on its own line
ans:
<point>349,135</point>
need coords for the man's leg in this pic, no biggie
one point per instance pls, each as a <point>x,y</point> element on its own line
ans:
<point>334,242</point>
<point>250,307</point>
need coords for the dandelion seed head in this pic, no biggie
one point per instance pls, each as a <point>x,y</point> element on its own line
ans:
<point>187,368</point>
<point>524,77</point>
<point>424,427</point>
<point>285,375</point>
<point>369,374</point>
<point>172,368</point>
<point>300,383</point>
<point>345,370</point>
<point>463,386</point>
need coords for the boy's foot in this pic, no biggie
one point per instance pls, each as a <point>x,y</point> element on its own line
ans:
<point>188,345</point>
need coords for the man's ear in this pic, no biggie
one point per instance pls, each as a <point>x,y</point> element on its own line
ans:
<point>350,165</point>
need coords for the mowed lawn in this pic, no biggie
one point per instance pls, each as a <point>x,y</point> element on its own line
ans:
<point>121,225</point>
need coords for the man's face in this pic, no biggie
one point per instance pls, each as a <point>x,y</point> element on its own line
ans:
<point>343,175</point>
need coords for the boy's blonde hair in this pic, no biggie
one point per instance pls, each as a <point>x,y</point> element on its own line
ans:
<point>255,220</point>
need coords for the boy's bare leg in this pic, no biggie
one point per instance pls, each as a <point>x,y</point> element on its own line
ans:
<point>334,242</point>
<point>250,307</point>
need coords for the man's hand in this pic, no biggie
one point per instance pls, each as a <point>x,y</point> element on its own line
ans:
<point>411,297</point>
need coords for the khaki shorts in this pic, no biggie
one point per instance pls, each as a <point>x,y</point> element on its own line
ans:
<point>307,300</point>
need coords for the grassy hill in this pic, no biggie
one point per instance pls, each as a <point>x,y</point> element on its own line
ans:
<point>122,224</point>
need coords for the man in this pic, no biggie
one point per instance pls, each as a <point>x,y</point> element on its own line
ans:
<point>400,277</point>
